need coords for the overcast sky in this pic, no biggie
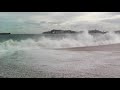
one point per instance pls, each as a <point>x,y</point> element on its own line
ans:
<point>37,22</point>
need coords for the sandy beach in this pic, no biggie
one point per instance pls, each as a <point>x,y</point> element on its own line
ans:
<point>80,62</point>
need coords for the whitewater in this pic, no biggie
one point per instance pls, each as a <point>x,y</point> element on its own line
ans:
<point>57,40</point>
<point>36,56</point>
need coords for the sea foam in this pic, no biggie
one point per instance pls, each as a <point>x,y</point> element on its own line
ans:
<point>78,40</point>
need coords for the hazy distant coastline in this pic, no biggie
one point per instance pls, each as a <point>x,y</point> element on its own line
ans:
<point>5,33</point>
<point>55,31</point>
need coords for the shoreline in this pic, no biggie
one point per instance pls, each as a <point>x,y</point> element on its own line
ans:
<point>109,47</point>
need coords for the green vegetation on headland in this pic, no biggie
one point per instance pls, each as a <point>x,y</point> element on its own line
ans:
<point>54,31</point>
<point>59,31</point>
<point>96,31</point>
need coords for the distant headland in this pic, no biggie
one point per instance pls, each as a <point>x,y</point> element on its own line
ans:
<point>54,31</point>
<point>5,33</point>
<point>96,31</point>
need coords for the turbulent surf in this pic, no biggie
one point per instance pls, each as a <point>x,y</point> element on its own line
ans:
<point>57,40</point>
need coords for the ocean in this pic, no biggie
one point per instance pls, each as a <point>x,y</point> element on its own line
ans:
<point>57,40</point>
<point>36,55</point>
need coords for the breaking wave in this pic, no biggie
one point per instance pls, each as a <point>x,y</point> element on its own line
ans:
<point>79,40</point>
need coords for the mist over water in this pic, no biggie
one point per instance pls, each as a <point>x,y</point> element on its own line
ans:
<point>57,41</point>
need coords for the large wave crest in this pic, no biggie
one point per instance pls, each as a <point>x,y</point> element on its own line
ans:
<point>79,40</point>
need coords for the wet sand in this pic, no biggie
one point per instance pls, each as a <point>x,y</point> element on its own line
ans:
<point>112,47</point>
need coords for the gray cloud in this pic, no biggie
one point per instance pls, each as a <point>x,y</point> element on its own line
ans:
<point>37,22</point>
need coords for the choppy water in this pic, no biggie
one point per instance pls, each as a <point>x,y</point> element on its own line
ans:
<point>57,40</point>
